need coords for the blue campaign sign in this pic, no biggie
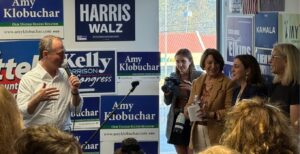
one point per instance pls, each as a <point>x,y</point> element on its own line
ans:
<point>18,13</point>
<point>138,63</point>
<point>105,20</point>
<point>263,56</point>
<point>96,70</point>
<point>149,147</point>
<point>239,36</point>
<point>135,112</point>
<point>16,59</point>
<point>266,30</point>
<point>83,136</point>
<point>90,110</point>
<point>227,70</point>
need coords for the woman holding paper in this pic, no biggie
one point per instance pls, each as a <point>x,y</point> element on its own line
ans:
<point>214,92</point>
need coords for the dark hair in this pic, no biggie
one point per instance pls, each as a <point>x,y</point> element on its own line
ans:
<point>131,146</point>
<point>251,63</point>
<point>186,53</point>
<point>216,55</point>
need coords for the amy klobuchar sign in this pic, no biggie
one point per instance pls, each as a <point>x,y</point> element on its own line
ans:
<point>95,69</point>
<point>105,20</point>
<point>138,63</point>
<point>30,19</point>
<point>135,112</point>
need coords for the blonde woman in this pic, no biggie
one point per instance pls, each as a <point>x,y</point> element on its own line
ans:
<point>285,62</point>
<point>46,139</point>
<point>256,127</point>
<point>11,122</point>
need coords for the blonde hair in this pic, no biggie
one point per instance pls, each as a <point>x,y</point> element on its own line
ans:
<point>217,149</point>
<point>11,122</point>
<point>255,126</point>
<point>46,139</point>
<point>292,71</point>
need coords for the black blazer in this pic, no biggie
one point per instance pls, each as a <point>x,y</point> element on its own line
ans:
<point>250,91</point>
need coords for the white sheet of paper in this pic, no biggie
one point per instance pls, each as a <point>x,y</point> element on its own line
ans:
<point>192,110</point>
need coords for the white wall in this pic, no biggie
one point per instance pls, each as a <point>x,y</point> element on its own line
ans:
<point>292,6</point>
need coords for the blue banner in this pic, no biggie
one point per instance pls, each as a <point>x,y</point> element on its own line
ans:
<point>89,112</point>
<point>135,112</point>
<point>34,11</point>
<point>106,20</point>
<point>13,67</point>
<point>83,135</point>
<point>263,56</point>
<point>95,70</point>
<point>138,63</point>
<point>31,19</point>
<point>239,38</point>
<point>227,70</point>
<point>266,30</point>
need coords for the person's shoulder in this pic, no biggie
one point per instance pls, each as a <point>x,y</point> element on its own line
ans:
<point>196,74</point>
<point>30,74</point>
<point>200,78</point>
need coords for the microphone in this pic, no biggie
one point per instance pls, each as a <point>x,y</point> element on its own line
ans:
<point>67,69</point>
<point>134,84</point>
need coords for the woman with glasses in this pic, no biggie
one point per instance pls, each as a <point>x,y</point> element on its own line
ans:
<point>285,62</point>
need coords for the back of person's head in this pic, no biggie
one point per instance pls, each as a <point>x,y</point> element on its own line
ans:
<point>219,149</point>
<point>255,126</point>
<point>46,139</point>
<point>249,62</point>
<point>11,122</point>
<point>130,146</point>
<point>292,70</point>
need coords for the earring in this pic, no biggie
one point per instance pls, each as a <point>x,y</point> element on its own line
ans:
<point>247,74</point>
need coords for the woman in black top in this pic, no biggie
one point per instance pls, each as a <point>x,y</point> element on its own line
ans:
<point>285,65</point>
<point>246,73</point>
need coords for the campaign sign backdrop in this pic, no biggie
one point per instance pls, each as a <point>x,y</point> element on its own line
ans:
<point>266,29</point>
<point>239,36</point>
<point>105,20</point>
<point>134,112</point>
<point>96,70</point>
<point>289,29</point>
<point>138,63</point>
<point>227,70</point>
<point>93,147</point>
<point>16,58</point>
<point>89,115</point>
<point>30,19</point>
<point>263,56</point>
<point>148,147</point>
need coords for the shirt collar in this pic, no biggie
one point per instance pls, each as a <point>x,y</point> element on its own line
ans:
<point>44,74</point>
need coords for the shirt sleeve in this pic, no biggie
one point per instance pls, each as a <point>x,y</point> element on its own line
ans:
<point>23,96</point>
